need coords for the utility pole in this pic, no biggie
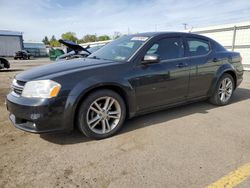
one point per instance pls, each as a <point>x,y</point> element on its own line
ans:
<point>185,26</point>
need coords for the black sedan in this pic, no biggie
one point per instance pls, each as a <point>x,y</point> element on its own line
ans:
<point>4,63</point>
<point>23,54</point>
<point>130,76</point>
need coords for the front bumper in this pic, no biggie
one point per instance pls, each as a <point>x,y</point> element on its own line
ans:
<point>37,115</point>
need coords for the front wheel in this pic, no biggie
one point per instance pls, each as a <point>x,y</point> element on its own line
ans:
<point>224,90</point>
<point>101,114</point>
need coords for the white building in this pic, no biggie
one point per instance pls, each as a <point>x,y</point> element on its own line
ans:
<point>235,37</point>
<point>37,49</point>
<point>10,42</point>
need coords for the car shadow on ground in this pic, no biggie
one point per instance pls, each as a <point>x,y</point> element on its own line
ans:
<point>203,107</point>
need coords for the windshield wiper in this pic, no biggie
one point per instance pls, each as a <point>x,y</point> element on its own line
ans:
<point>93,57</point>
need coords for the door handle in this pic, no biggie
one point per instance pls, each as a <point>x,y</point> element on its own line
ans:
<point>181,65</point>
<point>215,59</point>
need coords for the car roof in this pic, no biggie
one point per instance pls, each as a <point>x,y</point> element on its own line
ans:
<point>155,34</point>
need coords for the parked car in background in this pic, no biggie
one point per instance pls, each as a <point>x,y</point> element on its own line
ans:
<point>23,54</point>
<point>133,75</point>
<point>4,63</point>
<point>77,51</point>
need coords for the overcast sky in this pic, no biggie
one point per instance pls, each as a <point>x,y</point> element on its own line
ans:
<point>47,17</point>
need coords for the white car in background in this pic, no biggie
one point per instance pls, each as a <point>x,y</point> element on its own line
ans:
<point>77,51</point>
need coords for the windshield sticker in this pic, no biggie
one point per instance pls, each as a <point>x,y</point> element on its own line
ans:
<point>139,38</point>
<point>120,58</point>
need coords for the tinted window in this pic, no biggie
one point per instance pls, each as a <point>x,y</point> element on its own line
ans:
<point>196,47</point>
<point>153,49</point>
<point>218,47</point>
<point>168,48</point>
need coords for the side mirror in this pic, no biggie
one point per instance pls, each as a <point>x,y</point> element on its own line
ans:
<point>152,58</point>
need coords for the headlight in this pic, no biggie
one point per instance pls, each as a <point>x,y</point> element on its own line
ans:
<point>41,89</point>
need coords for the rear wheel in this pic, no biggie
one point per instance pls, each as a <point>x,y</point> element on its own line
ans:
<point>101,114</point>
<point>224,90</point>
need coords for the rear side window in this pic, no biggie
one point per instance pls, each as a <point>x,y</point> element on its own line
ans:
<point>196,47</point>
<point>168,48</point>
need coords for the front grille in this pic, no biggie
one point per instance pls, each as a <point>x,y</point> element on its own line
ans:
<point>17,87</point>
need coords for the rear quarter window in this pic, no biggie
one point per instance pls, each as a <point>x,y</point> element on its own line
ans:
<point>196,47</point>
<point>218,47</point>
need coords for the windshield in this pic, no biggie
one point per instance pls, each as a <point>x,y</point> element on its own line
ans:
<point>94,48</point>
<point>121,49</point>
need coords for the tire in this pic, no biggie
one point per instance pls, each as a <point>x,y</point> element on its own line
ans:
<point>220,90</point>
<point>97,123</point>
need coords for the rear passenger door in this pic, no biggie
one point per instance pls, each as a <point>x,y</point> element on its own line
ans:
<point>198,51</point>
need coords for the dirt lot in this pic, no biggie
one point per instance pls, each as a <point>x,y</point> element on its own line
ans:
<point>189,146</point>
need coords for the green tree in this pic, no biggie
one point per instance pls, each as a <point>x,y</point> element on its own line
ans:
<point>45,40</point>
<point>53,42</point>
<point>80,41</point>
<point>89,38</point>
<point>69,36</point>
<point>103,37</point>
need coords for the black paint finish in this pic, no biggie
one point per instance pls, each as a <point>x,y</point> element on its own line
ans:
<point>144,87</point>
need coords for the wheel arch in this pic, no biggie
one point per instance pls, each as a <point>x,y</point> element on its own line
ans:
<point>226,68</point>
<point>113,87</point>
<point>233,74</point>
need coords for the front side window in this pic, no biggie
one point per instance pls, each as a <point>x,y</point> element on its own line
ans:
<point>167,49</point>
<point>121,49</point>
<point>196,47</point>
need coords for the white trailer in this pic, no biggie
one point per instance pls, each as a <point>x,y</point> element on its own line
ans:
<point>235,37</point>
<point>10,42</point>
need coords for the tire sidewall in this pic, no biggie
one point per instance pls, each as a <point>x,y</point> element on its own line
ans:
<point>84,107</point>
<point>217,97</point>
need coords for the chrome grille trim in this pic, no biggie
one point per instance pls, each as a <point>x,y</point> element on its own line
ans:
<point>17,88</point>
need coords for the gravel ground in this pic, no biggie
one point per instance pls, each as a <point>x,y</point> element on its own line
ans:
<point>188,146</point>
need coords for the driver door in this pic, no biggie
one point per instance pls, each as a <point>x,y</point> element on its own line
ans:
<point>165,82</point>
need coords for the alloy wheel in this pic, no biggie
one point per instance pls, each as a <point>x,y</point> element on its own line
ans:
<point>225,89</point>
<point>103,115</point>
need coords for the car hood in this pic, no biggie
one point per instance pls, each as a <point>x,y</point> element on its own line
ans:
<point>61,67</point>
